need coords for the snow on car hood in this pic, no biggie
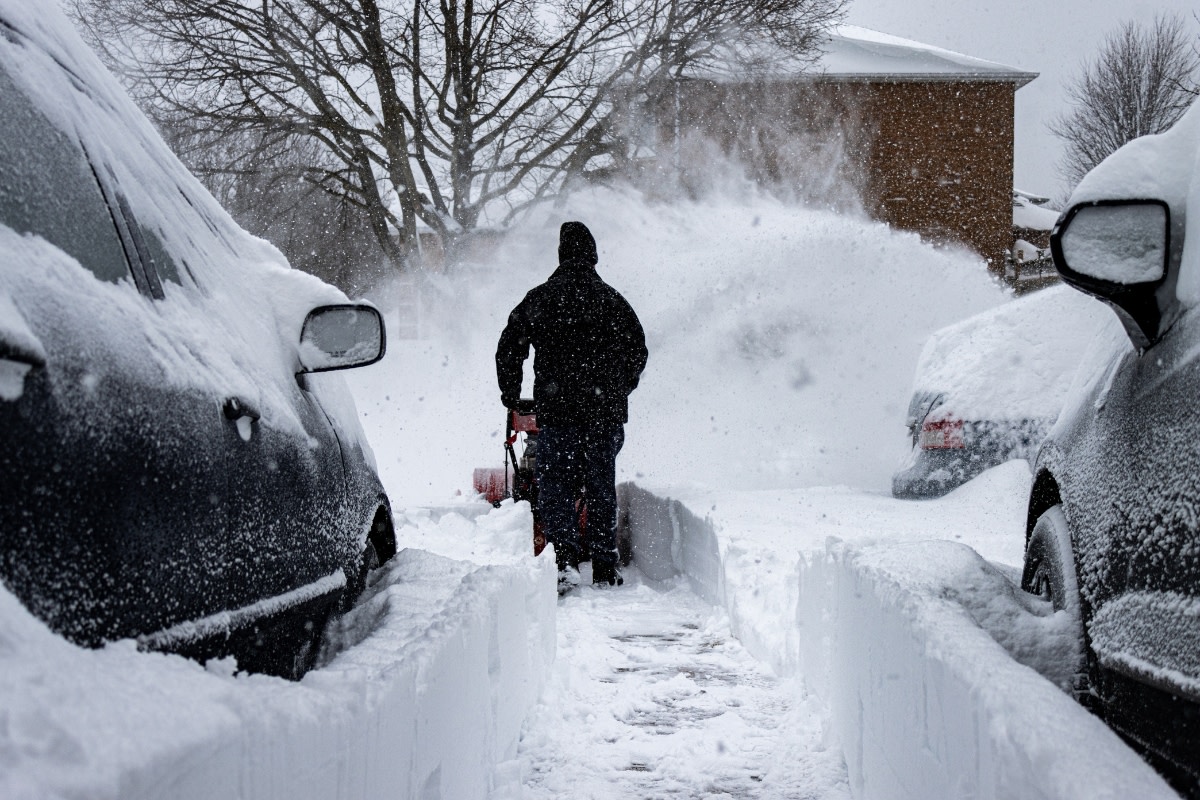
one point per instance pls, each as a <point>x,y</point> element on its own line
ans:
<point>239,305</point>
<point>1012,362</point>
<point>1164,166</point>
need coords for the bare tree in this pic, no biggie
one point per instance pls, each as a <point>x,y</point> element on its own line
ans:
<point>452,113</point>
<point>266,185</point>
<point>1141,82</point>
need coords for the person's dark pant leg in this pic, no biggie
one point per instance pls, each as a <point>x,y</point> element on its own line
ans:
<point>603,442</point>
<point>560,462</point>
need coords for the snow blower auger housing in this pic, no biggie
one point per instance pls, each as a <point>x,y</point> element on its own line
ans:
<point>518,479</point>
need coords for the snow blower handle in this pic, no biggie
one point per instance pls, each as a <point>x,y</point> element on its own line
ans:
<point>521,418</point>
<point>494,484</point>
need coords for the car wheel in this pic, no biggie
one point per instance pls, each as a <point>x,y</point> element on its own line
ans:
<point>357,577</point>
<point>1050,574</point>
<point>370,561</point>
<point>309,641</point>
<point>379,548</point>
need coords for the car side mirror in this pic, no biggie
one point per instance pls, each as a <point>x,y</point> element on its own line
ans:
<point>1118,251</point>
<point>341,337</point>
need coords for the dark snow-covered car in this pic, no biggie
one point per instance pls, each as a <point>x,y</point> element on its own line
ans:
<point>1113,534</point>
<point>177,465</point>
<point>988,388</point>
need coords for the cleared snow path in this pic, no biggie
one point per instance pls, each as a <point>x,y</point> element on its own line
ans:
<point>651,696</point>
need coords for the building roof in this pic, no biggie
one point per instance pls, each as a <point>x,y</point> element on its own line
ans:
<point>1030,214</point>
<point>863,54</point>
<point>859,54</point>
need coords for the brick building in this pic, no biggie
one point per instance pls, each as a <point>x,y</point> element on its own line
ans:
<point>921,137</point>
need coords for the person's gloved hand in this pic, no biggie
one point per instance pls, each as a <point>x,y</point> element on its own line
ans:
<point>510,402</point>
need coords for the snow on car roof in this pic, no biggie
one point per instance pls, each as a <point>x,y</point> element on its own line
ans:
<point>1015,361</point>
<point>243,290</point>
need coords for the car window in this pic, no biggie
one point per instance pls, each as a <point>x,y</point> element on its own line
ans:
<point>47,187</point>
<point>163,263</point>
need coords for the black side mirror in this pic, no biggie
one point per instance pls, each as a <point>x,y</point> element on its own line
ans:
<point>341,337</point>
<point>1118,251</point>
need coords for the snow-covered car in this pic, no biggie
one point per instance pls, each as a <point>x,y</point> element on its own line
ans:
<point>177,466</point>
<point>1113,534</point>
<point>988,388</point>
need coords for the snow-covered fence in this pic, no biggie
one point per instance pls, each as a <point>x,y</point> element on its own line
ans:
<point>904,643</point>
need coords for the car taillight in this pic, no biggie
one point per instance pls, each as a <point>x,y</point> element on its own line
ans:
<point>942,434</point>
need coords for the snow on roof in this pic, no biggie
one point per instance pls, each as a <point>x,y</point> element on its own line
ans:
<point>1036,199</point>
<point>860,54</point>
<point>1027,214</point>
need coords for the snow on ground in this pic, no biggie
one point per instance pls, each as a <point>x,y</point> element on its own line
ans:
<point>652,696</point>
<point>763,533</point>
<point>939,674</point>
<point>814,640</point>
<point>442,660</point>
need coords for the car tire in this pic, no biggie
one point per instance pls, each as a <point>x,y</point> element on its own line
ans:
<point>1050,574</point>
<point>379,548</point>
<point>357,576</point>
<point>308,645</point>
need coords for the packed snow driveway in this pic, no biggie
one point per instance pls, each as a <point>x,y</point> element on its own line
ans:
<point>652,696</point>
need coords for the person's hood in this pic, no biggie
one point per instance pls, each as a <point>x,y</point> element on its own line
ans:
<point>576,245</point>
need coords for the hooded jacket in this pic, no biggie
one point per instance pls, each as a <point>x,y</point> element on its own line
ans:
<point>589,346</point>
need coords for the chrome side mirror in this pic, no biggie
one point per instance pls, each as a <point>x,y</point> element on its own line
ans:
<point>1118,251</point>
<point>341,337</point>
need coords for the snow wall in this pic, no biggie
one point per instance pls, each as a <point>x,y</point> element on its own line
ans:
<point>437,670</point>
<point>904,644</point>
<point>669,540</point>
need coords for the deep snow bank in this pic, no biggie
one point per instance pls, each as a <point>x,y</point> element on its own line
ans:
<point>927,655</point>
<point>441,663</point>
<point>927,703</point>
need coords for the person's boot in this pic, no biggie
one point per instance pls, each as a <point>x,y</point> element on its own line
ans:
<point>606,575</point>
<point>568,570</point>
<point>568,579</point>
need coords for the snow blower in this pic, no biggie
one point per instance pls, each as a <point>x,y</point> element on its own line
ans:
<point>517,479</point>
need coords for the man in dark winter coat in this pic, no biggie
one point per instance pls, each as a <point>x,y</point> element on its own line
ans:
<point>589,353</point>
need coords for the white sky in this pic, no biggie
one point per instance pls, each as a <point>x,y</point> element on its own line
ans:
<point>1050,37</point>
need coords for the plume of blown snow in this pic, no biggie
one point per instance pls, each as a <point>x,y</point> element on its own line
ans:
<point>782,338</point>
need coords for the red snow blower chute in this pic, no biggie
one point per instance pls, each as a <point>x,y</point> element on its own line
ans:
<point>518,477</point>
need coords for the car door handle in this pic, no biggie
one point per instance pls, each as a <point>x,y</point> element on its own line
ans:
<point>235,408</point>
